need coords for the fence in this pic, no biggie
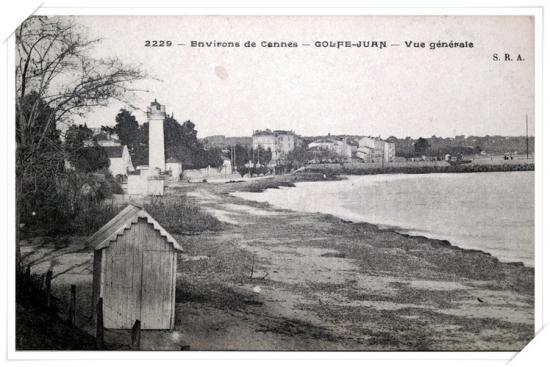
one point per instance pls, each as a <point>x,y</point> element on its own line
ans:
<point>43,285</point>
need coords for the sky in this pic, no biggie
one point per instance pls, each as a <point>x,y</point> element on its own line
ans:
<point>395,91</point>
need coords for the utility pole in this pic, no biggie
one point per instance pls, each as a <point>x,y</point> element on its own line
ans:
<point>234,156</point>
<point>527,134</point>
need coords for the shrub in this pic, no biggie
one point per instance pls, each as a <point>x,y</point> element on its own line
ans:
<point>181,216</point>
<point>68,203</point>
<point>91,218</point>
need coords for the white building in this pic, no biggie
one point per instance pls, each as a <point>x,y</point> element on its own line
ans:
<point>174,167</point>
<point>280,142</point>
<point>108,143</point>
<point>227,167</point>
<point>120,161</point>
<point>375,150</point>
<point>104,138</point>
<point>339,146</point>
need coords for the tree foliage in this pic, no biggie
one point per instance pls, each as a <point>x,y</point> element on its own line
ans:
<point>261,156</point>
<point>421,146</point>
<point>56,79</point>
<point>180,141</point>
<point>248,160</point>
<point>53,61</point>
<point>83,151</point>
<point>298,156</point>
<point>131,134</point>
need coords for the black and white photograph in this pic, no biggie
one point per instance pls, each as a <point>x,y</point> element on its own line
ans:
<point>312,183</point>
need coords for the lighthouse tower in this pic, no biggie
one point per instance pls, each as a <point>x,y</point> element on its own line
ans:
<point>155,115</point>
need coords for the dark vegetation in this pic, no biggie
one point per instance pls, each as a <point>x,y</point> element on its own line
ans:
<point>48,50</point>
<point>62,183</point>
<point>466,145</point>
<point>248,160</point>
<point>436,146</point>
<point>180,141</point>
<point>69,202</point>
<point>344,169</point>
<point>82,150</point>
<point>179,215</point>
<point>39,327</point>
<point>39,330</point>
<point>262,185</point>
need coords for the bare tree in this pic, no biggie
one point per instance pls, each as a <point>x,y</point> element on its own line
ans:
<point>57,78</point>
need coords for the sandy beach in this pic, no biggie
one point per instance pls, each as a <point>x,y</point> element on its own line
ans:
<point>274,279</point>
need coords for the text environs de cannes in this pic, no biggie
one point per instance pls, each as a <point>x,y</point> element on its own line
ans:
<point>338,44</point>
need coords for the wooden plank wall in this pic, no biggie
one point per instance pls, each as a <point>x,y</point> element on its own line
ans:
<point>139,279</point>
<point>96,286</point>
<point>121,292</point>
<point>156,312</point>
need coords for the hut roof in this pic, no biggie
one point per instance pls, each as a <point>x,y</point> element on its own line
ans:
<point>123,220</point>
<point>114,151</point>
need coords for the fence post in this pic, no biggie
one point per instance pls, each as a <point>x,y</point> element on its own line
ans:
<point>99,325</point>
<point>49,275</point>
<point>136,335</point>
<point>28,280</point>
<point>72,306</point>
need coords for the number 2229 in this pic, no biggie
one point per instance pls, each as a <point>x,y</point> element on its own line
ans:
<point>149,43</point>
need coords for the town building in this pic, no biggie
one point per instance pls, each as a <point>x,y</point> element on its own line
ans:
<point>174,167</point>
<point>120,161</point>
<point>280,142</point>
<point>108,142</point>
<point>339,146</point>
<point>214,141</point>
<point>227,167</point>
<point>104,138</point>
<point>375,150</point>
<point>222,141</point>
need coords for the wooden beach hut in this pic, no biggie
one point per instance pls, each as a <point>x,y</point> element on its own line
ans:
<point>135,263</point>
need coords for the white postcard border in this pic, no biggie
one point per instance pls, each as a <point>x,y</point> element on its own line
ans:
<point>106,7</point>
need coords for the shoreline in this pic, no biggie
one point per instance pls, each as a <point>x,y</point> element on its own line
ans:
<point>277,279</point>
<point>433,278</point>
<point>422,167</point>
<point>410,232</point>
<point>399,231</point>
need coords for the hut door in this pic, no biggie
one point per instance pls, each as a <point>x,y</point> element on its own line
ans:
<point>119,292</point>
<point>156,292</point>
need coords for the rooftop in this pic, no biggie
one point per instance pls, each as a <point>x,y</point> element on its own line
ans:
<point>114,151</point>
<point>124,220</point>
<point>274,132</point>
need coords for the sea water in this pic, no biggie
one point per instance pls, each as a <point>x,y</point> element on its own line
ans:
<point>493,212</point>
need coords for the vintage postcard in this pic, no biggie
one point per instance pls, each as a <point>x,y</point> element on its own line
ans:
<point>275,182</point>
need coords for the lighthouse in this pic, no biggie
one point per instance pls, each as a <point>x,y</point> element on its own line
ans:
<point>155,115</point>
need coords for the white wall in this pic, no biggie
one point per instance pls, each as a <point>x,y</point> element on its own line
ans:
<point>117,166</point>
<point>144,185</point>
<point>175,168</point>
